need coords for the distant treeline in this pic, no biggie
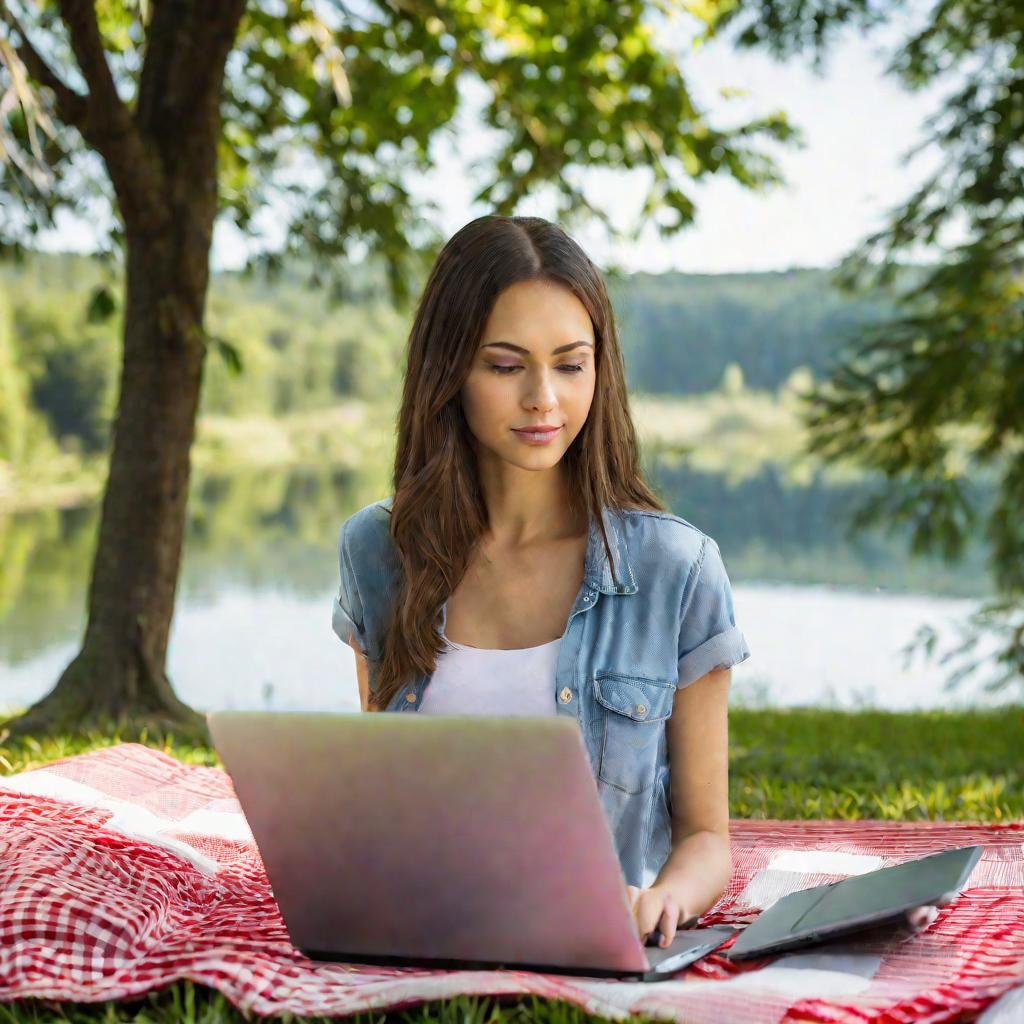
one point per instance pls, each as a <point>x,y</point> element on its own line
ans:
<point>298,351</point>
<point>59,365</point>
<point>681,331</point>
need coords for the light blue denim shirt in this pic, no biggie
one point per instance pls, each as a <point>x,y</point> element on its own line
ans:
<point>632,639</point>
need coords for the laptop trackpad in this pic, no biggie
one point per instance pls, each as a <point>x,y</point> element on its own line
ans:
<point>687,947</point>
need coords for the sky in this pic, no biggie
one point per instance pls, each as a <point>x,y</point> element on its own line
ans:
<point>857,122</point>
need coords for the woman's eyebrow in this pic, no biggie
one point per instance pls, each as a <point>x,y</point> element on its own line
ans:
<point>526,351</point>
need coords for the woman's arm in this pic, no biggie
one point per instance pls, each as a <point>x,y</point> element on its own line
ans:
<point>698,869</point>
<point>362,673</point>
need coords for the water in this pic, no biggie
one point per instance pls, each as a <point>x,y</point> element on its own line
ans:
<point>816,645</point>
<point>252,628</point>
<point>267,648</point>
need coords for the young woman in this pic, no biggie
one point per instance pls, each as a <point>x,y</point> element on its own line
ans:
<point>523,566</point>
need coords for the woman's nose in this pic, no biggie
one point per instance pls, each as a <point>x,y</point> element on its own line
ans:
<point>541,391</point>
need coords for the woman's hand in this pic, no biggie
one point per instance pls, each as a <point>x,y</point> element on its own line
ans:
<point>921,917</point>
<point>655,907</point>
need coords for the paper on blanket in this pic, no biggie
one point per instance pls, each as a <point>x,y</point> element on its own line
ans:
<point>788,871</point>
<point>793,977</point>
<point>811,975</point>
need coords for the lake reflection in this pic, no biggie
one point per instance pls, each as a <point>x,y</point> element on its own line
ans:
<point>252,627</point>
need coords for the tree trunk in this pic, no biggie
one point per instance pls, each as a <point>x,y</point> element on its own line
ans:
<point>162,163</point>
<point>118,676</point>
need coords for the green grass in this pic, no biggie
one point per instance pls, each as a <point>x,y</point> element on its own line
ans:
<point>188,1003</point>
<point>798,763</point>
<point>938,765</point>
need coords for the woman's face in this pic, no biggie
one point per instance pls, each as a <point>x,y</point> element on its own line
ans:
<point>534,366</point>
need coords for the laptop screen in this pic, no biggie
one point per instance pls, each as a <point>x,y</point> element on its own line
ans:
<point>915,883</point>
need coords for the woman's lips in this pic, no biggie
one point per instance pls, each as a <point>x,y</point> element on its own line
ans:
<point>528,436</point>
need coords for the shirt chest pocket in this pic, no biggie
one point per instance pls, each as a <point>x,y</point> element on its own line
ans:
<point>633,709</point>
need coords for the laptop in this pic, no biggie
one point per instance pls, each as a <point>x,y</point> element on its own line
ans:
<point>853,904</point>
<point>443,841</point>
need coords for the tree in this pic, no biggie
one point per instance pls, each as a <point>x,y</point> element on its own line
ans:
<point>732,383</point>
<point>933,397</point>
<point>175,112</point>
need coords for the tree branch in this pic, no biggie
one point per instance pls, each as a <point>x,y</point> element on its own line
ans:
<point>71,106</point>
<point>108,126</point>
<point>104,103</point>
<point>184,66</point>
<point>168,35</point>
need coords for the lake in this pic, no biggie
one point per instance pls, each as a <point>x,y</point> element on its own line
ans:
<point>826,617</point>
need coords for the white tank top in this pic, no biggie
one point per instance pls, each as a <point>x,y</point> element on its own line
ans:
<point>479,681</point>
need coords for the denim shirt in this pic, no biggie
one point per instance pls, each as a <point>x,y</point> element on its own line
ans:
<point>663,620</point>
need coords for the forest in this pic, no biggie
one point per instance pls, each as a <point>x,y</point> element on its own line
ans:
<point>286,347</point>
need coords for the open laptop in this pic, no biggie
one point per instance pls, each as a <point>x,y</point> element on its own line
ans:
<point>445,841</point>
<point>879,897</point>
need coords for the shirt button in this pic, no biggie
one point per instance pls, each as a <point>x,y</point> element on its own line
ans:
<point>411,697</point>
<point>641,709</point>
<point>566,695</point>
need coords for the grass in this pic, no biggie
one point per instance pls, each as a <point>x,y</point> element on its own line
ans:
<point>789,763</point>
<point>188,1003</point>
<point>896,766</point>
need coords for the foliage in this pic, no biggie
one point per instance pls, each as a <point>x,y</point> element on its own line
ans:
<point>934,395</point>
<point>14,404</point>
<point>70,364</point>
<point>300,351</point>
<point>327,114</point>
<point>681,331</point>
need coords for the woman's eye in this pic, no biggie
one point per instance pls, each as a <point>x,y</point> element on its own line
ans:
<point>565,368</point>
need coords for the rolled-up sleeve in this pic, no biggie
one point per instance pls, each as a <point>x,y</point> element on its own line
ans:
<point>709,637</point>
<point>347,613</point>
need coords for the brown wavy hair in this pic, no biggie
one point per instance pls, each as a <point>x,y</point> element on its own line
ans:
<point>438,513</point>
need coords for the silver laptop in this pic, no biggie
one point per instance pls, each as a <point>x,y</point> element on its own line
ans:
<point>445,841</point>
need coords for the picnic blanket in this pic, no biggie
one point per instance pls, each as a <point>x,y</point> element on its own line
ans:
<point>123,869</point>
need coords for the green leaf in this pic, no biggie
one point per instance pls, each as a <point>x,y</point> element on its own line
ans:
<point>228,352</point>
<point>102,305</point>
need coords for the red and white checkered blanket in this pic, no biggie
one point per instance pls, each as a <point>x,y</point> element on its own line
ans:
<point>122,870</point>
